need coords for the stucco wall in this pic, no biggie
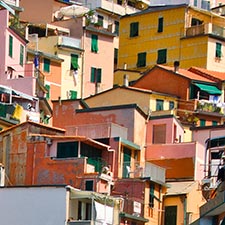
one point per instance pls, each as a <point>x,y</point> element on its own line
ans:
<point>34,206</point>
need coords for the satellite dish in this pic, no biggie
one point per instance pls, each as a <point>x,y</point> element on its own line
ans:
<point>58,15</point>
<point>141,5</point>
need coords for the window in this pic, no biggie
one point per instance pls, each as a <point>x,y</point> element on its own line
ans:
<point>160,24</point>
<point>96,75</point>
<point>195,2</point>
<point>73,94</point>
<point>159,104</point>
<point>115,55</point>
<point>21,54</point>
<point>67,149</point>
<point>134,29</point>
<point>214,123</point>
<point>218,50</point>
<point>48,93</point>
<point>151,195</point>
<point>74,62</point>
<point>116,27</point>
<point>89,185</point>
<point>202,123</point>
<point>171,105</point>
<point>94,43</point>
<point>100,20</point>
<point>10,46</point>
<point>170,215</point>
<point>162,56</point>
<point>159,134</point>
<point>46,65</point>
<point>141,61</point>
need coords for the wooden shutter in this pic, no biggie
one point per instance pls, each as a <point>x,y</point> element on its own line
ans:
<point>74,62</point>
<point>94,43</point>
<point>10,46</point>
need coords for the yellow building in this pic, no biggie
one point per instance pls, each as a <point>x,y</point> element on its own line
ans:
<point>166,34</point>
<point>182,202</point>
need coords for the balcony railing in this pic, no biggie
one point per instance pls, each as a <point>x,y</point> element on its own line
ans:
<point>69,42</point>
<point>206,106</point>
<point>204,29</point>
<point>94,131</point>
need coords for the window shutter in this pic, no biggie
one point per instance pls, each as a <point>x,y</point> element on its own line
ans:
<point>73,94</point>
<point>46,65</point>
<point>141,59</point>
<point>74,62</point>
<point>134,29</point>
<point>94,43</point>
<point>48,93</point>
<point>21,54</point>
<point>218,50</point>
<point>160,24</point>
<point>92,74</point>
<point>10,46</point>
<point>162,56</point>
<point>99,75</point>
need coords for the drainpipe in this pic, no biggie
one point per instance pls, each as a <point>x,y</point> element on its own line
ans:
<point>185,209</point>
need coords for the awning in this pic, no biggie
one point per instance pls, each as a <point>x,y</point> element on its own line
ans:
<point>213,90</point>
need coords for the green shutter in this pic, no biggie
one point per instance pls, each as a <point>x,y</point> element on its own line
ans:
<point>10,46</point>
<point>202,122</point>
<point>116,27</point>
<point>94,43</point>
<point>92,75</point>
<point>96,75</point>
<point>151,195</point>
<point>162,53</point>
<point>73,94</point>
<point>115,55</point>
<point>126,161</point>
<point>160,24</point>
<point>74,62</point>
<point>218,50</point>
<point>48,93</point>
<point>214,123</point>
<point>141,59</point>
<point>46,65</point>
<point>21,54</point>
<point>159,105</point>
<point>134,29</point>
<point>99,75</point>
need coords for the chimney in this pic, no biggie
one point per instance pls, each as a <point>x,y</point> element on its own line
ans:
<point>125,80</point>
<point>176,66</point>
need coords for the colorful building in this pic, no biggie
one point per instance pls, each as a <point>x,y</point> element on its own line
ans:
<point>196,105</point>
<point>194,38</point>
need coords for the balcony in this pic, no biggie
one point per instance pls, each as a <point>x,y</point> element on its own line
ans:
<point>205,29</point>
<point>95,131</point>
<point>111,6</point>
<point>207,106</point>
<point>69,42</point>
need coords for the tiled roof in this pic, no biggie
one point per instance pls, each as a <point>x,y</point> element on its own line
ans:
<point>186,73</point>
<point>214,74</point>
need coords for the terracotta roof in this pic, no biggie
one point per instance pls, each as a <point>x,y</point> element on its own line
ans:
<point>186,73</point>
<point>215,74</point>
